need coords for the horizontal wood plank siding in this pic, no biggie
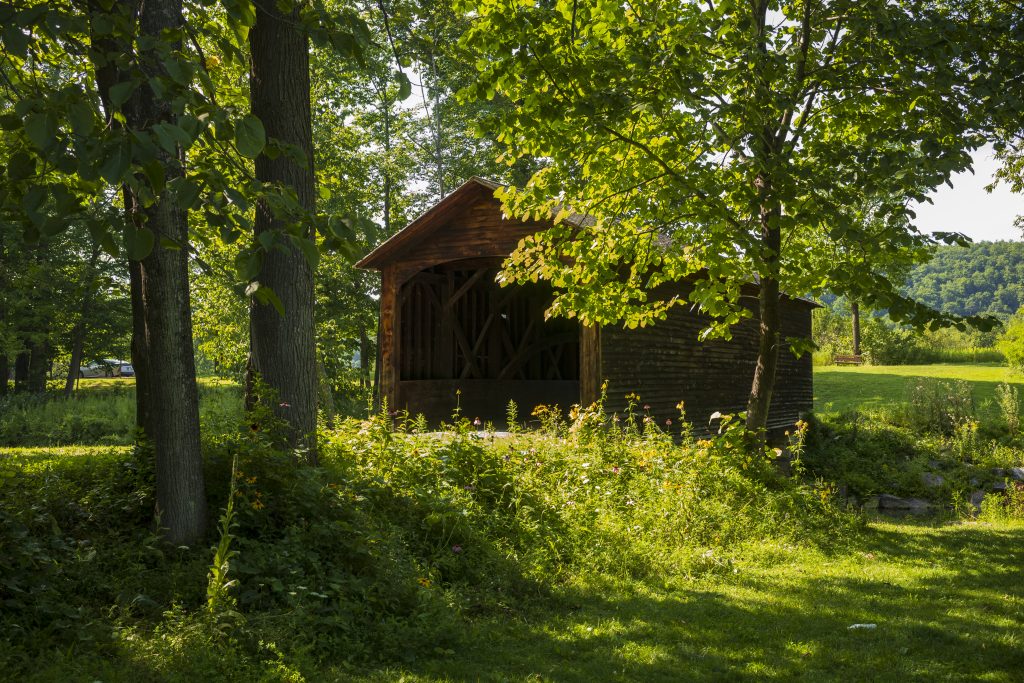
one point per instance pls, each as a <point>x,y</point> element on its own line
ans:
<point>665,364</point>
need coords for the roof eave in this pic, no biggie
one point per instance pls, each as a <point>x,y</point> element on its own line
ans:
<point>431,218</point>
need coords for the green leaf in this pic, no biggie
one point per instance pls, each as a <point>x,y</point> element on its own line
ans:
<point>265,295</point>
<point>41,129</point>
<point>34,198</point>
<point>179,70</point>
<point>10,121</point>
<point>21,166</point>
<point>250,137</point>
<point>248,264</point>
<point>309,250</point>
<point>171,137</point>
<point>109,244</point>
<point>82,117</point>
<point>122,92</point>
<point>404,85</point>
<point>16,40</point>
<point>186,191</point>
<point>117,161</point>
<point>155,174</point>
<point>65,202</point>
<point>138,243</point>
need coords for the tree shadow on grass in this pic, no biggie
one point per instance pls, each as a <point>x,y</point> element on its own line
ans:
<point>947,604</point>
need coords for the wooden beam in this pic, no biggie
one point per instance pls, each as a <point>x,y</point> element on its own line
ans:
<point>590,364</point>
<point>389,336</point>
<point>468,285</point>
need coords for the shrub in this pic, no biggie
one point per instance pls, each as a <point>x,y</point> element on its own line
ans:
<point>1009,406</point>
<point>941,406</point>
<point>1011,342</point>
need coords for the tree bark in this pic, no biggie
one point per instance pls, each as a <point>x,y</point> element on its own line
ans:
<point>82,325</point>
<point>284,346</point>
<point>168,360</point>
<point>21,372</point>
<point>38,363</point>
<point>855,314</point>
<point>364,358</point>
<point>5,370</point>
<point>770,319</point>
<point>167,398</point>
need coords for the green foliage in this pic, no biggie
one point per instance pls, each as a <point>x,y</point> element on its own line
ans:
<point>1008,400</point>
<point>683,141</point>
<point>102,412</point>
<point>941,406</point>
<point>382,552</point>
<point>886,343</point>
<point>1009,505</point>
<point>1011,342</point>
<point>985,277</point>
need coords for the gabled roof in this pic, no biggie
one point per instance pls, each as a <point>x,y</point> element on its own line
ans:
<point>474,188</point>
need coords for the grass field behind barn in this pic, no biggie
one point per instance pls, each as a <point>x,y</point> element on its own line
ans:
<point>846,388</point>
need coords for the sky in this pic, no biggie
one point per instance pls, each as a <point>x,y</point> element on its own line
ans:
<point>969,209</point>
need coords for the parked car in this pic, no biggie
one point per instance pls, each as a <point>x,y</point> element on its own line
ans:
<point>123,368</point>
<point>96,368</point>
<point>108,367</point>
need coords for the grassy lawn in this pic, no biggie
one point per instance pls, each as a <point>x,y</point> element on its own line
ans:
<point>946,601</point>
<point>871,386</point>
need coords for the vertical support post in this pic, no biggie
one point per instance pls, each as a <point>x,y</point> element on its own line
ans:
<point>389,328</point>
<point>590,364</point>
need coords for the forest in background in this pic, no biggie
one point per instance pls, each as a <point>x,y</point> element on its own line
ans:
<point>984,277</point>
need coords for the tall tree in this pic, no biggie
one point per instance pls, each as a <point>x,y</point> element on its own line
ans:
<point>162,341</point>
<point>724,143</point>
<point>282,337</point>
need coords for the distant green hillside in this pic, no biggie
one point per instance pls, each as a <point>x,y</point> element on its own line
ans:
<point>987,277</point>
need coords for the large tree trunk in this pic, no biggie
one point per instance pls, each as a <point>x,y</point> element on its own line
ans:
<point>284,346</point>
<point>855,313</point>
<point>169,364</point>
<point>82,324</point>
<point>38,364</point>
<point>770,319</point>
<point>5,370</point>
<point>21,372</point>
<point>167,396</point>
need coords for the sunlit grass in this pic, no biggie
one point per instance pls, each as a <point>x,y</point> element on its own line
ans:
<point>944,602</point>
<point>848,388</point>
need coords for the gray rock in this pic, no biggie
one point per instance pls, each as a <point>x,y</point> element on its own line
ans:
<point>915,505</point>
<point>998,472</point>
<point>1017,473</point>
<point>932,480</point>
<point>976,498</point>
<point>999,486</point>
<point>975,481</point>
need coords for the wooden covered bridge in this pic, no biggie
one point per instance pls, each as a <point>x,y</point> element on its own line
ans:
<point>446,326</point>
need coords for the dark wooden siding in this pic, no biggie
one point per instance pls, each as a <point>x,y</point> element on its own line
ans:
<point>665,364</point>
<point>476,232</point>
<point>447,327</point>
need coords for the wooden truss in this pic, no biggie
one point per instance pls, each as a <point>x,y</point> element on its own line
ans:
<point>455,322</point>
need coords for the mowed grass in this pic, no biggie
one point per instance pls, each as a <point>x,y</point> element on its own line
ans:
<point>946,603</point>
<point>846,388</point>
